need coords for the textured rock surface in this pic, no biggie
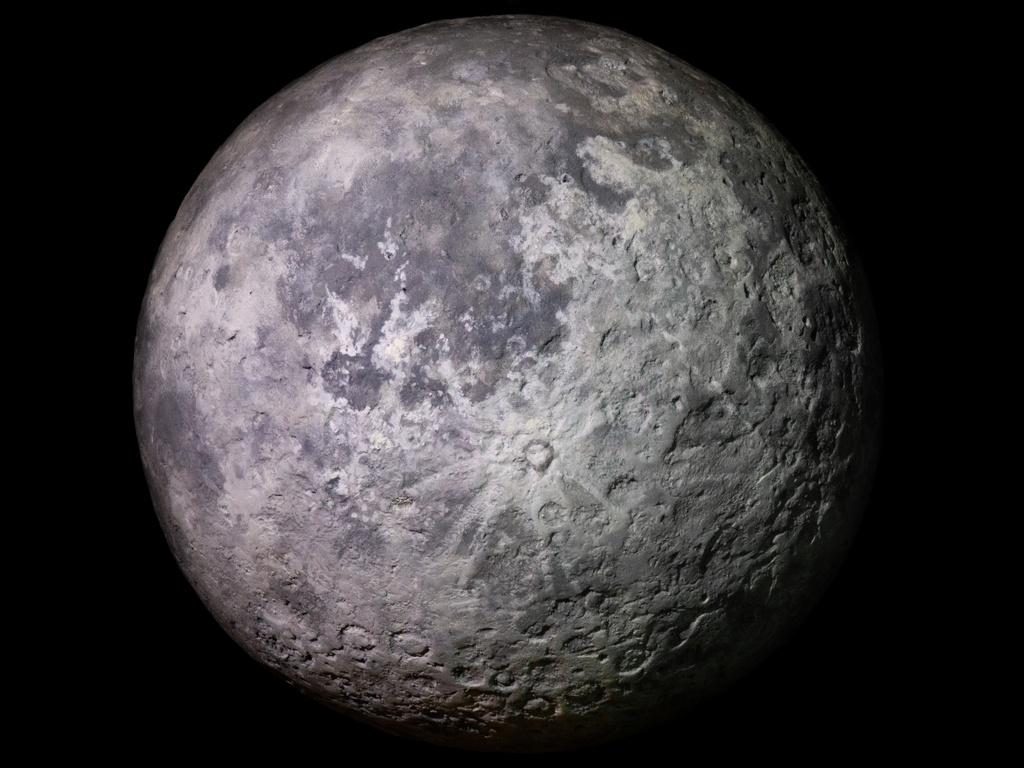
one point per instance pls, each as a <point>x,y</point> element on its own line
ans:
<point>507,384</point>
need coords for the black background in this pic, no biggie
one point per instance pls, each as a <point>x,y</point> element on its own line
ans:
<point>857,679</point>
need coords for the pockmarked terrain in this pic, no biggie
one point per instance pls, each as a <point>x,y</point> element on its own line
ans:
<point>506,383</point>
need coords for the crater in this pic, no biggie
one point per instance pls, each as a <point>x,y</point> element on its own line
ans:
<point>539,455</point>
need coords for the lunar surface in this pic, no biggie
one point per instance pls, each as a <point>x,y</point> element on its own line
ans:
<point>506,383</point>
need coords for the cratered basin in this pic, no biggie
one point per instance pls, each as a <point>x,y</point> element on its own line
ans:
<point>506,383</point>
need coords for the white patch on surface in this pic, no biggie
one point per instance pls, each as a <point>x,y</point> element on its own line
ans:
<point>358,263</point>
<point>338,163</point>
<point>609,163</point>
<point>351,337</point>
<point>391,353</point>
<point>388,247</point>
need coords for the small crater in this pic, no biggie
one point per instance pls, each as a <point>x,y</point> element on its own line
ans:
<point>355,636</point>
<point>411,645</point>
<point>539,455</point>
<point>538,707</point>
<point>515,346</point>
<point>468,676</point>
<point>552,514</point>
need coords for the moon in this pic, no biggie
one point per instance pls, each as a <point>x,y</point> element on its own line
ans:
<point>507,383</point>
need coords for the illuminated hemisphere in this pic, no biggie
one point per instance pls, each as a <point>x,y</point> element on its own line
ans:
<point>506,383</point>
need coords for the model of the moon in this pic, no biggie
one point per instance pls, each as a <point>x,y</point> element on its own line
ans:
<point>506,383</point>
